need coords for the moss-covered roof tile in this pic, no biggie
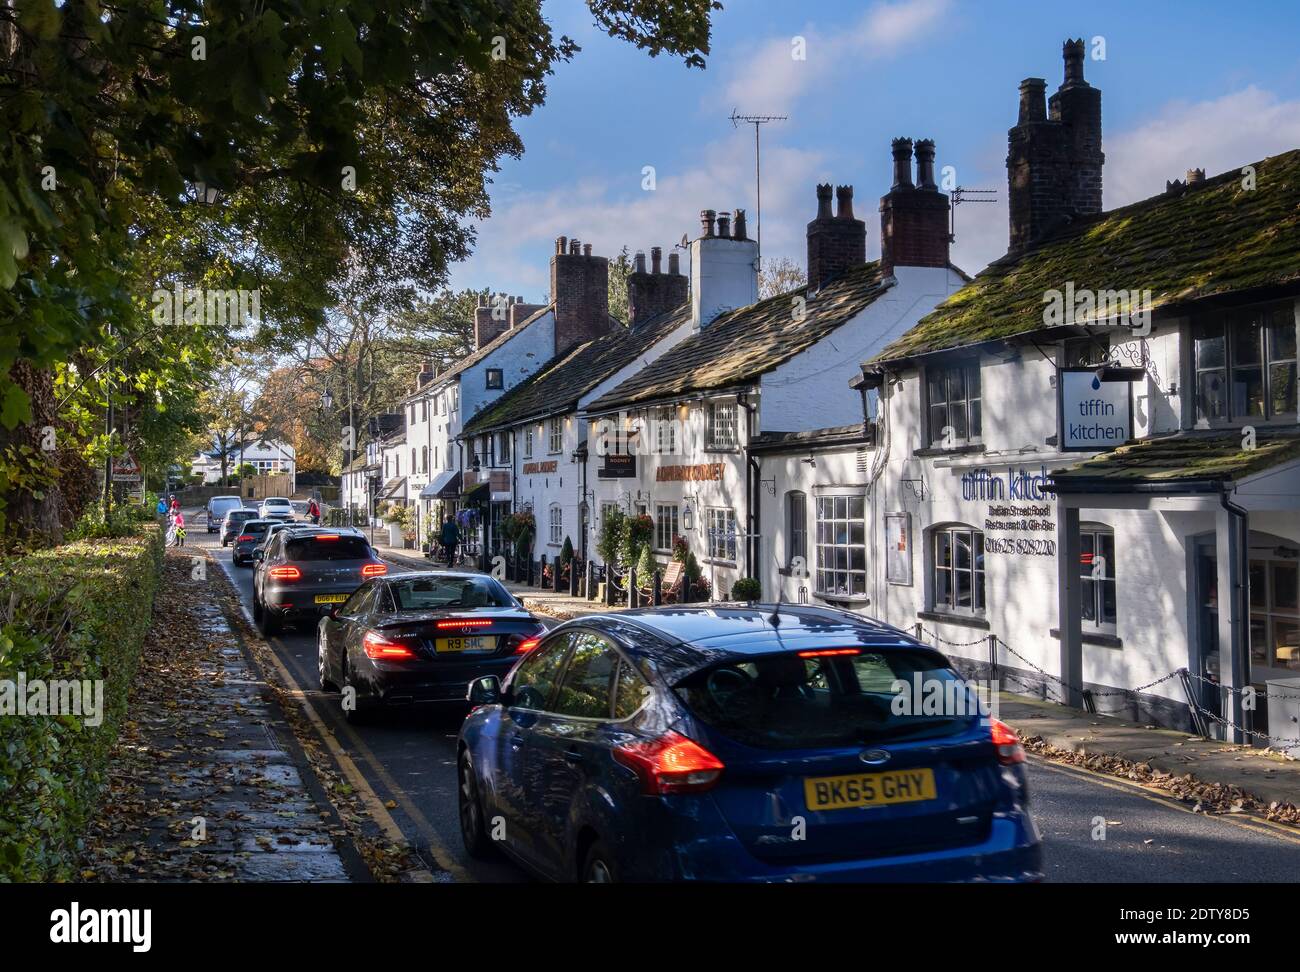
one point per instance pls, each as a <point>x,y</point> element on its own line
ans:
<point>1214,238</point>
<point>1196,455</point>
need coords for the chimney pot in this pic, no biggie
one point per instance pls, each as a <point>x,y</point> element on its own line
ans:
<point>824,201</point>
<point>1073,51</point>
<point>738,226</point>
<point>560,243</point>
<point>674,264</point>
<point>1195,176</point>
<point>707,216</point>
<point>925,164</point>
<point>575,247</point>
<point>656,259</point>
<point>724,225</point>
<point>843,202</point>
<point>639,262</point>
<point>586,249</point>
<point>1033,101</point>
<point>902,148</point>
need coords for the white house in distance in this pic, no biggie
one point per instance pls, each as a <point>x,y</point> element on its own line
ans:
<point>267,456</point>
<point>752,370</point>
<point>535,431</point>
<point>1091,503</point>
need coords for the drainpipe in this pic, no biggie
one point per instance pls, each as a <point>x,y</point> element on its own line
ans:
<point>751,488</point>
<point>1236,603</point>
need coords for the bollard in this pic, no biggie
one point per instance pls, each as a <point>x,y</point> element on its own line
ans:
<point>631,588</point>
<point>656,592</point>
<point>589,589</point>
<point>573,577</point>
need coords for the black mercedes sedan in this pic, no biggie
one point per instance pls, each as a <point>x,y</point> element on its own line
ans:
<point>419,637</point>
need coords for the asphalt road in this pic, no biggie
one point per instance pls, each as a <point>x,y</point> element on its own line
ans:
<point>1144,837</point>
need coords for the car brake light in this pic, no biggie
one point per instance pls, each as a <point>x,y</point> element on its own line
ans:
<point>374,570</point>
<point>243,537</point>
<point>377,646</point>
<point>670,763</point>
<point>527,645</point>
<point>285,573</point>
<point>829,652</point>
<point>1007,742</point>
<point>464,623</point>
<point>326,536</point>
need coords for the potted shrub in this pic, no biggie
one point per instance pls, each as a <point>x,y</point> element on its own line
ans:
<point>746,589</point>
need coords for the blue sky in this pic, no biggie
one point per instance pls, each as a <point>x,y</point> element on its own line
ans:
<point>1185,84</point>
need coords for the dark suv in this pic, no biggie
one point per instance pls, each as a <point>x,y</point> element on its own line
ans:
<point>232,525</point>
<point>305,573</point>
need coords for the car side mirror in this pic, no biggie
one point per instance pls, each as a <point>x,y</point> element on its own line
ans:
<point>484,691</point>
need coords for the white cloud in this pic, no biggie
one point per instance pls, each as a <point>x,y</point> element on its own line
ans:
<point>772,81</point>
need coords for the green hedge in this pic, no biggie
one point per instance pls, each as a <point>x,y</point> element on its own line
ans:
<point>79,611</point>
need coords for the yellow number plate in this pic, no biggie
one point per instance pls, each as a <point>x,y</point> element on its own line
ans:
<point>869,789</point>
<point>465,644</point>
<point>331,598</point>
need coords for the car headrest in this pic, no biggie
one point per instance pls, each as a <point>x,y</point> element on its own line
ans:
<point>783,671</point>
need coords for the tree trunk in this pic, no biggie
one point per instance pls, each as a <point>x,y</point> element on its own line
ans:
<point>36,508</point>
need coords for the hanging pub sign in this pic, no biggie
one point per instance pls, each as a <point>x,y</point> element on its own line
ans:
<point>1095,414</point>
<point>617,465</point>
<point>898,548</point>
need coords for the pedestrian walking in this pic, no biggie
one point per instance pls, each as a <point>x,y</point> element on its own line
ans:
<point>313,510</point>
<point>161,509</point>
<point>450,538</point>
<point>180,528</point>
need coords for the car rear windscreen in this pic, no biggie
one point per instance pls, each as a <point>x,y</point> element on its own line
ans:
<point>422,593</point>
<point>327,547</point>
<point>787,701</point>
<point>254,529</point>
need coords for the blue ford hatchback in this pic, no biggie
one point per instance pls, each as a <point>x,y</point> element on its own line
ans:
<point>742,743</point>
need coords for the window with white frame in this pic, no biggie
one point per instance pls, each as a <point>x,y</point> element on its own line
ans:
<point>1097,566</point>
<point>796,522</point>
<point>720,525</point>
<point>528,442</point>
<point>666,433</point>
<point>1245,363</point>
<point>665,525</point>
<point>957,563</point>
<point>841,546</point>
<point>503,446</point>
<point>720,426</point>
<point>557,525</point>
<point>954,404</point>
<point>555,441</point>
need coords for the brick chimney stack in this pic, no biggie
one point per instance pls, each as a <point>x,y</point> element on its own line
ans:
<point>580,293</point>
<point>654,293</point>
<point>835,243</point>
<point>491,319</point>
<point>913,215</point>
<point>1054,157</point>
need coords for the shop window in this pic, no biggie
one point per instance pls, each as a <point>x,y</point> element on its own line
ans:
<point>1245,365</point>
<point>1275,609</point>
<point>665,525</point>
<point>841,546</point>
<point>721,530</point>
<point>957,570</point>
<point>954,405</point>
<point>720,430</point>
<point>1097,567</point>
<point>796,523</point>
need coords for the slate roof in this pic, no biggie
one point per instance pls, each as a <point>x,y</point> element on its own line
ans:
<point>1215,456</point>
<point>831,437</point>
<point>559,384</point>
<point>1213,238</point>
<point>740,345</point>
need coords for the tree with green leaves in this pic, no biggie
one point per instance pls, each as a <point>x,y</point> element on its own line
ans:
<point>282,148</point>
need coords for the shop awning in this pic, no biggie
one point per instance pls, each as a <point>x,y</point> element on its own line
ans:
<point>477,493</point>
<point>445,485</point>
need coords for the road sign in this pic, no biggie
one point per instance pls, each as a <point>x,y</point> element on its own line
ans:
<point>126,469</point>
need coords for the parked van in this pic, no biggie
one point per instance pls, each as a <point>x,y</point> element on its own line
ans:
<point>218,507</point>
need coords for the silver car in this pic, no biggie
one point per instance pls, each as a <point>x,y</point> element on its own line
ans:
<point>304,573</point>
